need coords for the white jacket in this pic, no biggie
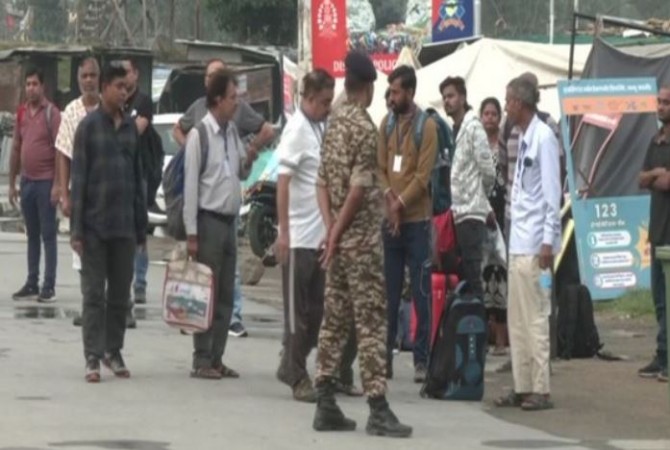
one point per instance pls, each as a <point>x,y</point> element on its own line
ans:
<point>472,171</point>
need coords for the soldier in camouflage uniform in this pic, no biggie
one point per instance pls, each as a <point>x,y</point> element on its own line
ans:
<point>350,201</point>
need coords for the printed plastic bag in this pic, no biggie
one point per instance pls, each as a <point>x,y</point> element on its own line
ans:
<point>494,249</point>
<point>188,296</point>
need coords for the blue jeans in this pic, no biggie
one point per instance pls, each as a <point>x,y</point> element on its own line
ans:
<point>658,294</point>
<point>40,218</point>
<point>411,247</point>
<point>237,299</point>
<point>141,269</point>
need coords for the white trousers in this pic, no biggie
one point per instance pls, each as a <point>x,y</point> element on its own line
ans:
<point>528,310</point>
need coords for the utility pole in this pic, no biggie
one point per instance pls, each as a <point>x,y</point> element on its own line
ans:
<point>145,36</point>
<point>197,19</point>
<point>172,21</point>
<point>552,19</point>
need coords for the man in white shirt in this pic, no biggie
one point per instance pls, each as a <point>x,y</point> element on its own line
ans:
<point>88,77</point>
<point>534,240</point>
<point>212,199</point>
<point>301,235</point>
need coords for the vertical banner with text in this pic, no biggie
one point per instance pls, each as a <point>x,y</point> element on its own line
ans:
<point>611,232</point>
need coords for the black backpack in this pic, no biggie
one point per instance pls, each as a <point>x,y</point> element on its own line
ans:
<point>577,332</point>
<point>458,355</point>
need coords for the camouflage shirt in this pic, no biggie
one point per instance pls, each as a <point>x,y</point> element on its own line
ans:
<point>349,158</point>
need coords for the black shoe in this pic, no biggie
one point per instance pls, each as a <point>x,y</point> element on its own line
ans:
<point>420,372</point>
<point>92,371</point>
<point>382,421</point>
<point>47,296</point>
<point>237,330</point>
<point>651,370</point>
<point>140,297</point>
<point>329,416</point>
<point>26,293</point>
<point>131,323</point>
<point>115,363</point>
<point>78,320</point>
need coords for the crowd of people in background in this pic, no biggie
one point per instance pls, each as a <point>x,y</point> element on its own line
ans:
<point>355,212</point>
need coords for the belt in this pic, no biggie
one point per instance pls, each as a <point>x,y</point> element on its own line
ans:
<point>226,218</point>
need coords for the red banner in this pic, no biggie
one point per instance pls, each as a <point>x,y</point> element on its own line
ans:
<point>329,35</point>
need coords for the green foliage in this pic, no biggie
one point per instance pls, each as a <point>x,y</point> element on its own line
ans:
<point>516,18</point>
<point>49,21</point>
<point>258,21</point>
<point>389,11</point>
<point>633,304</point>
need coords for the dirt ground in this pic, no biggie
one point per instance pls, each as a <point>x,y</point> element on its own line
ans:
<point>596,401</point>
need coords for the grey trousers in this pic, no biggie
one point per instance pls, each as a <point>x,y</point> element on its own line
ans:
<point>309,289</point>
<point>217,248</point>
<point>106,275</point>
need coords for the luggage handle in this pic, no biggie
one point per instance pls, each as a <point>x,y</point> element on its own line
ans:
<point>463,288</point>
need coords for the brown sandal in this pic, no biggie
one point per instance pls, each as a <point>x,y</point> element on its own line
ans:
<point>511,400</point>
<point>226,372</point>
<point>206,373</point>
<point>536,402</point>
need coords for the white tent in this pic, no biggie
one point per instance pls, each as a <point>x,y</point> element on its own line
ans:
<point>489,64</point>
<point>378,107</point>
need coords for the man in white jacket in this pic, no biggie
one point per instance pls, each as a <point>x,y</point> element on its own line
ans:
<point>472,178</point>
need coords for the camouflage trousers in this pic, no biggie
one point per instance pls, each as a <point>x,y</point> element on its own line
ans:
<point>355,292</point>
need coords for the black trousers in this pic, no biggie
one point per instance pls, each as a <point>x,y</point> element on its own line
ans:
<point>470,235</point>
<point>309,289</point>
<point>106,275</point>
<point>217,249</point>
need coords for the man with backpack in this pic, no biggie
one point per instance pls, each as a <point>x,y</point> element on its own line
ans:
<point>140,108</point>
<point>535,237</point>
<point>212,199</point>
<point>656,177</point>
<point>34,157</point>
<point>405,166</point>
<point>248,123</point>
<point>473,177</point>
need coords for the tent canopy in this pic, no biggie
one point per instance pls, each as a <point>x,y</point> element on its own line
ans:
<point>487,66</point>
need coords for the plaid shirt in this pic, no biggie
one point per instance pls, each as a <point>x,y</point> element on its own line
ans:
<point>108,196</point>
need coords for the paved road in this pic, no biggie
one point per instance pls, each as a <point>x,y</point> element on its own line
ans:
<point>47,405</point>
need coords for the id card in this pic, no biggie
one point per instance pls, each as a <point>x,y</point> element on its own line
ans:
<point>397,163</point>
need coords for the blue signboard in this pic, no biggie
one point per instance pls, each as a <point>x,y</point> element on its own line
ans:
<point>453,20</point>
<point>611,233</point>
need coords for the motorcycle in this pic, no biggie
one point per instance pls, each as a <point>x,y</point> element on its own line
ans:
<point>259,213</point>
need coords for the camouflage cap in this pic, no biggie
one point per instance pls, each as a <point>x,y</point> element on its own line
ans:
<point>358,65</point>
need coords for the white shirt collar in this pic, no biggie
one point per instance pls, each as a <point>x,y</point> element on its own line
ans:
<point>526,136</point>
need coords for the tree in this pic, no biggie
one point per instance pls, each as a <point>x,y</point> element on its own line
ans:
<point>258,21</point>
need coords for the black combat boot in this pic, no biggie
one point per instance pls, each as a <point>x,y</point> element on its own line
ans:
<point>382,421</point>
<point>329,416</point>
